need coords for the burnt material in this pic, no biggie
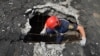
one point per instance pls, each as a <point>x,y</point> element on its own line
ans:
<point>37,23</point>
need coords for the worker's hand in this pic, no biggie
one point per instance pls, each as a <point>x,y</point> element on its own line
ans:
<point>43,31</point>
<point>83,41</point>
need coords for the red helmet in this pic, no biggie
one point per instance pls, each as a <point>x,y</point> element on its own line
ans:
<point>52,22</point>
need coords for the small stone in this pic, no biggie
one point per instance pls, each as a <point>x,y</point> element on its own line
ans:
<point>22,55</point>
<point>72,53</point>
<point>19,24</point>
<point>30,43</point>
<point>97,43</point>
<point>92,52</point>
<point>10,3</point>
<point>3,30</point>
<point>8,27</point>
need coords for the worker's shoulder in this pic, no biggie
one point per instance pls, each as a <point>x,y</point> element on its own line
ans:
<point>63,20</point>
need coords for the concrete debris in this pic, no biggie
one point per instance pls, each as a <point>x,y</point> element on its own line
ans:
<point>42,49</point>
<point>68,11</point>
<point>27,28</point>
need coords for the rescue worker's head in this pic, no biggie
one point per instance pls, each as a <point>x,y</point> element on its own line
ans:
<point>52,22</point>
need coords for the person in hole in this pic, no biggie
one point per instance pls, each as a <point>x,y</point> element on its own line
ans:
<point>56,25</point>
